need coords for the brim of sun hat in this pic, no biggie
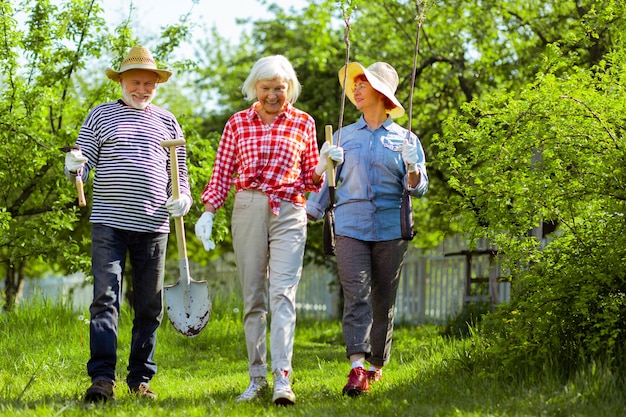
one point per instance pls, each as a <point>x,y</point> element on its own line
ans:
<point>355,69</point>
<point>163,74</point>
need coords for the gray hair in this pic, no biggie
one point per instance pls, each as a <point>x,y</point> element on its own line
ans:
<point>269,68</point>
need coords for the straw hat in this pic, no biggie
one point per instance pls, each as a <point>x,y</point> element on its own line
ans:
<point>139,58</point>
<point>382,77</point>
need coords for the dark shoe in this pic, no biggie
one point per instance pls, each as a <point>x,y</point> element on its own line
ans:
<point>143,391</point>
<point>374,376</point>
<point>357,383</point>
<point>100,391</point>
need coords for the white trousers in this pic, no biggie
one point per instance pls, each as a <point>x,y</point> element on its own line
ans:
<point>268,251</point>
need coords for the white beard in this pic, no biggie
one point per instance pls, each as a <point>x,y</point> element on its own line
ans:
<point>128,98</point>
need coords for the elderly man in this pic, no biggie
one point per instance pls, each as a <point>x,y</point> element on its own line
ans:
<point>131,205</point>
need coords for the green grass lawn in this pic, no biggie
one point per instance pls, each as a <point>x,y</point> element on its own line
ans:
<point>45,348</point>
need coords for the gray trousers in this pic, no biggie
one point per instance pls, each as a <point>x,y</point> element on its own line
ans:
<point>369,273</point>
<point>268,251</point>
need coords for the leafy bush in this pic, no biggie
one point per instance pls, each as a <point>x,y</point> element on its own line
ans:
<point>572,303</point>
<point>470,317</point>
<point>554,151</point>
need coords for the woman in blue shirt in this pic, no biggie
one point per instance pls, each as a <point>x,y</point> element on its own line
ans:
<point>381,160</point>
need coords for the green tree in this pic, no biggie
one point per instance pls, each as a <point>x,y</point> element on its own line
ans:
<point>469,50</point>
<point>51,67</point>
<point>518,105</point>
<point>553,150</point>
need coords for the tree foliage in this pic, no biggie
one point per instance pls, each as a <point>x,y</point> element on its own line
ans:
<point>51,74</point>
<point>518,107</point>
<point>552,149</point>
<point>517,103</point>
<point>468,50</point>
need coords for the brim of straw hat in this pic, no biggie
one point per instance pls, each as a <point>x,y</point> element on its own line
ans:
<point>355,69</point>
<point>162,74</point>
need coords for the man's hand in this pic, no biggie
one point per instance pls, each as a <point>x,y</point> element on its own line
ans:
<point>179,207</point>
<point>74,160</point>
<point>334,152</point>
<point>203,229</point>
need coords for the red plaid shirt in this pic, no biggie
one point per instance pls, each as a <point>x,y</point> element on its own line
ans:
<point>278,159</point>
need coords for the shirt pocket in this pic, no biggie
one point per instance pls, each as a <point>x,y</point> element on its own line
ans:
<point>243,199</point>
<point>393,143</point>
<point>391,153</point>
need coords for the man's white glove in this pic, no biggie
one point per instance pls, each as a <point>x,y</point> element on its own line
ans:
<point>74,160</point>
<point>179,207</point>
<point>204,227</point>
<point>334,152</point>
<point>409,155</point>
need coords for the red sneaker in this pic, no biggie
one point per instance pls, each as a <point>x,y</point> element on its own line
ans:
<point>374,376</point>
<point>357,383</point>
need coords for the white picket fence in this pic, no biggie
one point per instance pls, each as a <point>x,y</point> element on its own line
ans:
<point>432,286</point>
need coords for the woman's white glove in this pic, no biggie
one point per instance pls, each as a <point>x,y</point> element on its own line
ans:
<point>74,160</point>
<point>178,207</point>
<point>204,227</point>
<point>409,155</point>
<point>334,152</point>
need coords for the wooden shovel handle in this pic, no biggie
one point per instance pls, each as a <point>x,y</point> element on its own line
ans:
<point>330,171</point>
<point>178,221</point>
<point>81,191</point>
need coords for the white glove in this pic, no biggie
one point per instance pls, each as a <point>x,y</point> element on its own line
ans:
<point>179,207</point>
<point>409,155</point>
<point>74,160</point>
<point>334,152</point>
<point>203,228</point>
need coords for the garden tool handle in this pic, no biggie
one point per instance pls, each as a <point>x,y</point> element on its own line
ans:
<point>330,172</point>
<point>79,188</point>
<point>178,221</point>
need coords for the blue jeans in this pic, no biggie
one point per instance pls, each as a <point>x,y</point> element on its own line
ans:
<point>146,252</point>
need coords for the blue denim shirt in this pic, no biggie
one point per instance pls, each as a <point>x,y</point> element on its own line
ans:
<point>370,182</point>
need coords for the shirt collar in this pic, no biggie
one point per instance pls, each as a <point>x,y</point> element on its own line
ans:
<point>288,112</point>
<point>360,124</point>
<point>123,103</point>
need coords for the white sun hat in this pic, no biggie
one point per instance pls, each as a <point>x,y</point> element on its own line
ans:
<point>381,76</point>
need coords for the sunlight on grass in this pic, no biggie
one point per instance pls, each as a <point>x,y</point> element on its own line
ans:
<point>45,349</point>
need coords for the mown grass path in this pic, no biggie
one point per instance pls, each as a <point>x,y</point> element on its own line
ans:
<point>45,348</point>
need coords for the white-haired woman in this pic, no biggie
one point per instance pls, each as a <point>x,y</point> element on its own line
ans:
<point>269,153</point>
<point>381,160</point>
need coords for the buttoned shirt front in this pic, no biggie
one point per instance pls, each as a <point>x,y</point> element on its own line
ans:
<point>277,158</point>
<point>371,182</point>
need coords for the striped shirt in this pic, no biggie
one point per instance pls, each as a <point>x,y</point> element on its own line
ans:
<point>132,169</point>
<point>278,158</point>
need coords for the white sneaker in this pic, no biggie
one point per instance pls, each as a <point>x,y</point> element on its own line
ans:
<point>283,395</point>
<point>255,389</point>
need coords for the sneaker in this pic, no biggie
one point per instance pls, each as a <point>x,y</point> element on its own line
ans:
<point>357,382</point>
<point>143,391</point>
<point>374,376</point>
<point>255,389</point>
<point>100,391</point>
<point>283,395</point>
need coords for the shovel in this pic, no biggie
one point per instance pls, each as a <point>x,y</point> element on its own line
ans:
<point>188,301</point>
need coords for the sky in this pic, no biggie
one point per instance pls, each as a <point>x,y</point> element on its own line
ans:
<point>151,15</point>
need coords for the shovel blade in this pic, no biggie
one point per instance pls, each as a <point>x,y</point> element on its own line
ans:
<point>188,306</point>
